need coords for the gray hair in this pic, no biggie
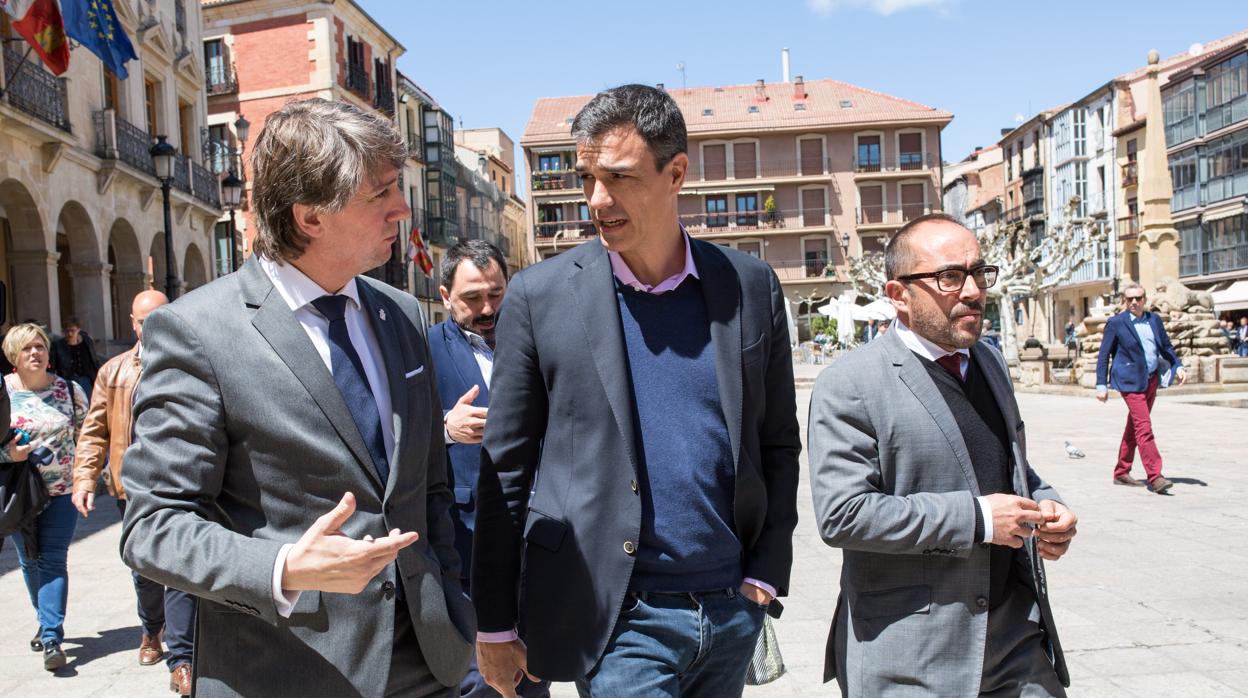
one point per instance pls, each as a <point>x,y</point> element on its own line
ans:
<point>651,111</point>
<point>317,153</point>
<point>1131,286</point>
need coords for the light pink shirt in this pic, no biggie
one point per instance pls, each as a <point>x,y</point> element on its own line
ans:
<point>626,276</point>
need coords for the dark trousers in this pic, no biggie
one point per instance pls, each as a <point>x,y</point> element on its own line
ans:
<point>169,609</point>
<point>1016,661</point>
<point>409,675</point>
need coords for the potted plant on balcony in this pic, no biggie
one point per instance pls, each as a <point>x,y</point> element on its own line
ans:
<point>769,212</point>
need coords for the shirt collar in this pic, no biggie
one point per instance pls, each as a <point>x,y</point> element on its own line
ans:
<point>475,340</point>
<point>1142,318</point>
<point>626,276</point>
<point>920,345</point>
<point>297,289</point>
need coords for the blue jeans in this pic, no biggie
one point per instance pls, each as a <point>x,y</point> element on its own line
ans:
<point>678,645</point>
<point>1243,348</point>
<point>166,608</point>
<point>47,580</point>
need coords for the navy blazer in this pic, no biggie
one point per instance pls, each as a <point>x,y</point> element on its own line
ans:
<point>1121,346</point>
<point>457,371</point>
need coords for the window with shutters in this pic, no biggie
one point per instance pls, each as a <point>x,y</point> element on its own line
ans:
<point>910,151</point>
<point>745,160</point>
<point>912,201</point>
<point>714,162</point>
<point>716,211</point>
<point>814,207</point>
<point>868,157</point>
<point>811,150</point>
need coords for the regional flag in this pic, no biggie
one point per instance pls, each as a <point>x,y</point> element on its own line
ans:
<point>94,24</point>
<point>39,23</point>
<point>417,252</point>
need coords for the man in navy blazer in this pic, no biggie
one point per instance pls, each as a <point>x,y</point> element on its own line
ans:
<point>473,279</point>
<point>1135,353</point>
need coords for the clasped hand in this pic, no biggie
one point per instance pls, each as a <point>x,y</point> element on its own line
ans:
<point>1014,519</point>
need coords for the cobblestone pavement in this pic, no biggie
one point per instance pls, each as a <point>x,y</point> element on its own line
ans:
<point>1149,601</point>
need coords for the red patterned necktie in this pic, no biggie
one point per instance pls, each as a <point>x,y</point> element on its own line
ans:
<point>953,364</point>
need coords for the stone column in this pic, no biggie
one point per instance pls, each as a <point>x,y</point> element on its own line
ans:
<point>34,287</point>
<point>91,298</point>
<point>1158,243</point>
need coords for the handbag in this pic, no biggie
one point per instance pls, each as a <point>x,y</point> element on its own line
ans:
<point>766,665</point>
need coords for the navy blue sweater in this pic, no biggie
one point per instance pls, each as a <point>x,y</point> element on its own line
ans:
<point>685,460</point>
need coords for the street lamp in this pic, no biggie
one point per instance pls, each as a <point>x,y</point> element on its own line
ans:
<point>163,156</point>
<point>232,191</point>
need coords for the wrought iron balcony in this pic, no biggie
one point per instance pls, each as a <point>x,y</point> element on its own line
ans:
<point>205,185</point>
<point>357,80</point>
<point>556,180</point>
<point>766,167</point>
<point>905,162</point>
<point>118,139</point>
<point>383,99</point>
<point>181,173</point>
<point>745,221</point>
<point>32,89</point>
<point>1129,227</point>
<point>220,79</point>
<point>813,267</point>
<point>564,230</point>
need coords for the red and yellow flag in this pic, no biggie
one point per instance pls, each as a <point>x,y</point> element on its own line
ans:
<point>39,23</point>
<point>418,253</point>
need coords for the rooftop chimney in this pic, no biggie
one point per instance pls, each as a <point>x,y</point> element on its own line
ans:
<point>760,91</point>
<point>784,63</point>
<point>799,88</point>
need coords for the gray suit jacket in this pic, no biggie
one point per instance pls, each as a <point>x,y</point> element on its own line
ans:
<point>894,488</point>
<point>241,441</point>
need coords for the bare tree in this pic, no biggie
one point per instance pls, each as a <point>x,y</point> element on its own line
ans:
<point>1027,270</point>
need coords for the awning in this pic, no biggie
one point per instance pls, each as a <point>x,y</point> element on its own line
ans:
<point>1224,213</point>
<point>568,198</point>
<point>1234,297</point>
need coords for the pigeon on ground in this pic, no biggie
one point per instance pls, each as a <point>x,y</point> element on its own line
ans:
<point>1074,452</point>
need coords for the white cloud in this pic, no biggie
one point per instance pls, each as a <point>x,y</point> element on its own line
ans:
<point>882,7</point>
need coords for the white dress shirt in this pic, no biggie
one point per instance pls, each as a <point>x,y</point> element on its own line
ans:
<point>926,349</point>
<point>299,291</point>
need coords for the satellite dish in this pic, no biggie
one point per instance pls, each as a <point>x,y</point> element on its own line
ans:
<point>1195,49</point>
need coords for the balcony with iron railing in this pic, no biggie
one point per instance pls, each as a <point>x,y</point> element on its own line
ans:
<point>756,221</point>
<point>357,80</point>
<point>1130,174</point>
<point>119,140</point>
<point>810,269</point>
<point>766,168</point>
<point>865,168</point>
<point>555,180</point>
<point>33,90</point>
<point>889,215</point>
<point>383,99</point>
<point>220,79</point>
<point>552,232</point>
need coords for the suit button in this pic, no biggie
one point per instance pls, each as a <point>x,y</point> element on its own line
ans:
<point>630,547</point>
<point>981,602</point>
<point>633,484</point>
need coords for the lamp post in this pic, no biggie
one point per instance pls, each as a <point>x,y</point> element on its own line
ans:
<point>232,191</point>
<point>163,156</point>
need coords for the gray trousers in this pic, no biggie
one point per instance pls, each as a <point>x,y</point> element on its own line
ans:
<point>1015,661</point>
<point>409,674</point>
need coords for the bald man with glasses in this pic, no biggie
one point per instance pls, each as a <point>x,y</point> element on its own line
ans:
<point>1136,354</point>
<point>918,466</point>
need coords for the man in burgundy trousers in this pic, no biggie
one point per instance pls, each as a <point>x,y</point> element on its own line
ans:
<point>1136,354</point>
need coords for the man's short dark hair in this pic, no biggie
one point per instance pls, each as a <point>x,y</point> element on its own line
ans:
<point>479,251</point>
<point>898,256</point>
<point>650,110</point>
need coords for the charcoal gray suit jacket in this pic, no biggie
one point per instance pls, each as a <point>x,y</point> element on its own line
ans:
<point>894,488</point>
<point>242,440</point>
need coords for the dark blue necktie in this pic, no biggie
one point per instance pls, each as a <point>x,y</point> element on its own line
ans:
<point>349,376</point>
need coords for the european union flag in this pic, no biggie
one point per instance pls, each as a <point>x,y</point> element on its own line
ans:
<point>94,24</point>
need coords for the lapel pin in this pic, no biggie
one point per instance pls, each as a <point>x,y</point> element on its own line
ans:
<point>381,313</point>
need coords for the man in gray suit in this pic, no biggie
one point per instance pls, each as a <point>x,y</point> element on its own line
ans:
<point>919,472</point>
<point>291,389</point>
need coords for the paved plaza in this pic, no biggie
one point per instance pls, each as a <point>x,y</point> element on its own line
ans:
<point>1150,601</point>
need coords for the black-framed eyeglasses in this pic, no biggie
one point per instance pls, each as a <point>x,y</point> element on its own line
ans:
<point>953,279</point>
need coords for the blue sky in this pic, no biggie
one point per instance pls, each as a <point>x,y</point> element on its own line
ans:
<point>989,62</point>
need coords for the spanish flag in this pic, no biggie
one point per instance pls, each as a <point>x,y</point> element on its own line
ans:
<point>39,23</point>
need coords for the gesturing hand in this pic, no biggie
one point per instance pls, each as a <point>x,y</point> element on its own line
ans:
<point>465,423</point>
<point>1057,530</point>
<point>503,664</point>
<point>326,560</point>
<point>1010,518</point>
